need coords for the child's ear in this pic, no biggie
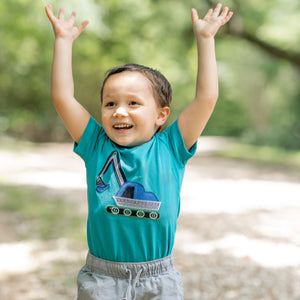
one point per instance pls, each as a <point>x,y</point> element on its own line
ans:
<point>163,115</point>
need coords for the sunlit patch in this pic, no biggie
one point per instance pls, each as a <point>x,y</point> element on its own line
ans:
<point>266,253</point>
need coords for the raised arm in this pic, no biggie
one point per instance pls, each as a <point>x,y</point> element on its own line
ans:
<point>73,114</point>
<point>195,116</point>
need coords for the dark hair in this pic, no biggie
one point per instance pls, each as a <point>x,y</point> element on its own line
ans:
<point>160,85</point>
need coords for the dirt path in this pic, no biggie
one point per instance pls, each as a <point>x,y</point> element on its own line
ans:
<point>238,234</point>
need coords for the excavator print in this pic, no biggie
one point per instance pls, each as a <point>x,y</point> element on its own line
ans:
<point>131,200</point>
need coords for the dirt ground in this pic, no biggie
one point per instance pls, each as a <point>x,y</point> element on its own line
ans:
<point>238,233</point>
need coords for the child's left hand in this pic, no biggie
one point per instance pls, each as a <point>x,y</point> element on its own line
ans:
<point>210,24</point>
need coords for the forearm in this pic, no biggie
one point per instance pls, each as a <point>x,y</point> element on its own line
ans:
<point>72,113</point>
<point>207,75</point>
<point>195,116</point>
<point>62,85</point>
<point>193,119</point>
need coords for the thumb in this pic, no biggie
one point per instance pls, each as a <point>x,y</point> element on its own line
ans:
<point>195,16</point>
<point>82,26</point>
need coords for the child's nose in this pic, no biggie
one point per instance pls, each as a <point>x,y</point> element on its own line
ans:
<point>121,112</point>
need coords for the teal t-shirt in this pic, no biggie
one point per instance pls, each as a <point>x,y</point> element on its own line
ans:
<point>133,193</point>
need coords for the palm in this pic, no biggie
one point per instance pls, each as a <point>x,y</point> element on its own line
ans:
<point>65,29</point>
<point>213,20</point>
<point>207,26</point>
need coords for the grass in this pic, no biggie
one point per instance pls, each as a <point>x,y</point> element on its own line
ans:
<point>40,216</point>
<point>263,154</point>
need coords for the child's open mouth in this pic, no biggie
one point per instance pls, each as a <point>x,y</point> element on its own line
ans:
<point>122,126</point>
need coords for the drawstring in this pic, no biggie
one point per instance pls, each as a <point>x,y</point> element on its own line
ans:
<point>128,292</point>
<point>137,277</point>
<point>132,285</point>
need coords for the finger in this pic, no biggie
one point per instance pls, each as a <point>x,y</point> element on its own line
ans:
<point>224,12</point>
<point>217,9</point>
<point>61,15</point>
<point>228,17</point>
<point>82,26</point>
<point>50,14</point>
<point>72,18</point>
<point>195,16</point>
<point>209,13</point>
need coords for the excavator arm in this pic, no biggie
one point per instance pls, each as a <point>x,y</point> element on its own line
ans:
<point>121,178</point>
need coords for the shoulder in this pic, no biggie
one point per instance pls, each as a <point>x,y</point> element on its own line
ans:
<point>90,139</point>
<point>173,140</point>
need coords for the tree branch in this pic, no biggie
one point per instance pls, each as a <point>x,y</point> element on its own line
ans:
<point>294,58</point>
<point>235,28</point>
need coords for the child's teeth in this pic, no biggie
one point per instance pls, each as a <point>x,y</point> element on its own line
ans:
<point>122,126</point>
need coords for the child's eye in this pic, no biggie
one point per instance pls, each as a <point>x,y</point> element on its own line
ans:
<point>133,103</point>
<point>110,104</point>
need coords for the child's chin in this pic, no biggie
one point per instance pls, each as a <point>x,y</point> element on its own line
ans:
<point>128,144</point>
<point>123,143</point>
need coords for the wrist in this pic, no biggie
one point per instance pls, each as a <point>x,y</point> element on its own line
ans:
<point>205,42</point>
<point>63,40</point>
<point>206,38</point>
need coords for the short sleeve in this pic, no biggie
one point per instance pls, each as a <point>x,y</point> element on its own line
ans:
<point>177,145</point>
<point>90,140</point>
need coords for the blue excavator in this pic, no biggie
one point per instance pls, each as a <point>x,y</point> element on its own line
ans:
<point>131,200</point>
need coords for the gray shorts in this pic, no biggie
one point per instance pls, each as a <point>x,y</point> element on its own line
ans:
<point>105,280</point>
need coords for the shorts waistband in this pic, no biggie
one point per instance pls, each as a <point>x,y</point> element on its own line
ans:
<point>120,269</point>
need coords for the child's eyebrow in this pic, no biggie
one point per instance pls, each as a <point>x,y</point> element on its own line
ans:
<point>113,95</point>
<point>108,95</point>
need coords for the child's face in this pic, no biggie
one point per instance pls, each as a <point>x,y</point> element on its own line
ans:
<point>130,114</point>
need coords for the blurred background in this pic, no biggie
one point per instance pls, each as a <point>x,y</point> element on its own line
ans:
<point>258,60</point>
<point>238,233</point>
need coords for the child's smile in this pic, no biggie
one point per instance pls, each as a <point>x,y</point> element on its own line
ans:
<point>130,114</point>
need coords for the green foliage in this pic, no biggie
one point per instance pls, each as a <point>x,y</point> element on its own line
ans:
<point>264,154</point>
<point>229,119</point>
<point>258,93</point>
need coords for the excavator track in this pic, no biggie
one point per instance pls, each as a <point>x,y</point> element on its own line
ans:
<point>132,212</point>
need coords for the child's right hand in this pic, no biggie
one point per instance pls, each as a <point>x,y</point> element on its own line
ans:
<point>62,28</point>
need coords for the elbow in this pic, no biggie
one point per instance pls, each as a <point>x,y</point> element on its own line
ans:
<point>212,95</point>
<point>59,97</point>
<point>212,101</point>
<point>213,98</point>
<point>60,101</point>
<point>61,94</point>
<point>209,99</point>
<point>56,96</point>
